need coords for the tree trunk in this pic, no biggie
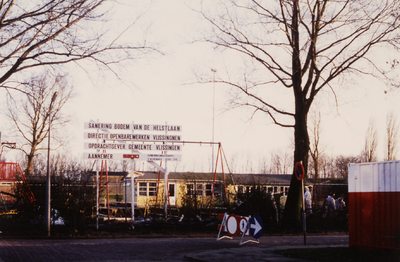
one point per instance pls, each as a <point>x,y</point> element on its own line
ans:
<point>292,214</point>
<point>30,157</point>
<point>29,162</point>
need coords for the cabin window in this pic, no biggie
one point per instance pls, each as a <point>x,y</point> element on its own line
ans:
<point>199,189</point>
<point>208,189</point>
<point>190,189</point>
<point>285,191</point>
<point>218,190</point>
<point>152,189</point>
<point>171,190</point>
<point>142,189</point>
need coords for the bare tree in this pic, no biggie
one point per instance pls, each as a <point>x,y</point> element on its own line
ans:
<point>52,33</point>
<point>276,163</point>
<point>341,166</point>
<point>326,167</point>
<point>233,163</point>
<point>287,163</point>
<point>392,129</point>
<point>299,48</point>
<point>281,162</point>
<point>371,142</point>
<point>263,165</point>
<point>32,114</point>
<point>248,163</point>
<point>315,150</point>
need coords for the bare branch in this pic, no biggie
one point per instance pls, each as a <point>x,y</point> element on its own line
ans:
<point>392,129</point>
<point>304,46</point>
<point>32,114</point>
<point>54,33</point>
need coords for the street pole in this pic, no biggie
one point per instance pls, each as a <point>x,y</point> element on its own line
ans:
<point>166,195</point>
<point>132,198</point>
<point>304,212</point>
<point>48,182</point>
<point>212,156</point>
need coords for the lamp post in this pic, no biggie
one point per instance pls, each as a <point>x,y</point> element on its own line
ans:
<point>212,154</point>
<point>48,183</point>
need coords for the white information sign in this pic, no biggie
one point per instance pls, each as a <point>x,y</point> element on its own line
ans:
<point>137,156</point>
<point>124,146</point>
<point>138,127</point>
<point>163,157</point>
<point>113,156</point>
<point>106,146</point>
<point>132,137</point>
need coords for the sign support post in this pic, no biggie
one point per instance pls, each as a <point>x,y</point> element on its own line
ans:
<point>166,193</point>
<point>223,227</point>
<point>97,189</point>
<point>304,212</point>
<point>299,172</point>
<point>132,188</point>
<point>133,198</point>
<point>255,226</point>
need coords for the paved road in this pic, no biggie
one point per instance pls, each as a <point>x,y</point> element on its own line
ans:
<point>158,249</point>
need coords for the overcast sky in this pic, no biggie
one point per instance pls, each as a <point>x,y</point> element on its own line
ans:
<point>160,92</point>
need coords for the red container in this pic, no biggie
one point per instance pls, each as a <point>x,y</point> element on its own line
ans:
<point>374,205</point>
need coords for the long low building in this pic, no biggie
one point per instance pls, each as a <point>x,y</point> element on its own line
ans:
<point>181,186</point>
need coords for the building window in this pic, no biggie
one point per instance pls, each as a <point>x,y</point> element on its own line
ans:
<point>152,189</point>
<point>286,190</point>
<point>240,189</point>
<point>208,189</point>
<point>218,190</point>
<point>199,189</point>
<point>171,190</point>
<point>190,189</point>
<point>142,189</point>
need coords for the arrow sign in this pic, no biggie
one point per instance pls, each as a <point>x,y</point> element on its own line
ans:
<point>256,226</point>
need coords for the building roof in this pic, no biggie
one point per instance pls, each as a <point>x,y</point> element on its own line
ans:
<point>110,173</point>
<point>238,179</point>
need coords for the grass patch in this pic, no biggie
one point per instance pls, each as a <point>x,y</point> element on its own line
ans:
<point>342,254</point>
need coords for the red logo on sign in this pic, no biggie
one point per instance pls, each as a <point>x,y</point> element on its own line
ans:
<point>130,156</point>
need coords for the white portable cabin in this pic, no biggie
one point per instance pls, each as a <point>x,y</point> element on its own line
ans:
<point>374,205</point>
